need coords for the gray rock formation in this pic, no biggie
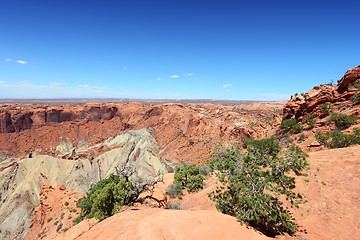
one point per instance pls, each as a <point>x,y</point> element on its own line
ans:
<point>21,179</point>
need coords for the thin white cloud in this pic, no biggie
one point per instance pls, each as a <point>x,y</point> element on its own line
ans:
<point>159,79</point>
<point>4,84</point>
<point>124,68</point>
<point>199,81</point>
<point>227,85</point>
<point>26,89</point>
<point>274,96</point>
<point>8,59</point>
<point>174,76</point>
<point>21,61</point>
<point>187,74</point>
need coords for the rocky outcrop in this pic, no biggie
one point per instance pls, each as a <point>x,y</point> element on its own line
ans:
<point>21,180</point>
<point>19,117</point>
<point>301,105</point>
<point>181,130</point>
<point>350,77</point>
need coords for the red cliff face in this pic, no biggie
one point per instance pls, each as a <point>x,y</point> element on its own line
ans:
<point>181,130</point>
<point>21,117</point>
<point>301,105</point>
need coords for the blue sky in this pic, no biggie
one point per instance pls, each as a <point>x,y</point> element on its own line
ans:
<point>247,50</point>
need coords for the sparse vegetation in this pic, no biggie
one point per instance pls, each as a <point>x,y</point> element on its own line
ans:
<point>325,109</point>
<point>301,138</point>
<point>337,139</point>
<point>173,205</point>
<point>245,140</point>
<point>59,227</point>
<point>174,190</point>
<point>311,121</point>
<point>356,84</point>
<point>73,210</point>
<point>252,184</point>
<point>188,176</point>
<point>342,121</point>
<point>66,203</point>
<point>204,170</point>
<point>290,126</point>
<point>356,98</point>
<point>107,196</point>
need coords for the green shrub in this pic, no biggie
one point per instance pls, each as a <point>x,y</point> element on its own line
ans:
<point>311,121</point>
<point>342,121</point>
<point>106,197</point>
<point>356,84</point>
<point>325,109</point>
<point>188,176</point>
<point>252,184</point>
<point>301,138</point>
<point>337,139</point>
<point>173,205</point>
<point>356,98</point>
<point>264,147</point>
<point>204,170</point>
<point>290,126</point>
<point>174,190</point>
<point>245,140</point>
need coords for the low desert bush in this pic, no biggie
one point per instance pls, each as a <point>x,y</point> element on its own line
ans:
<point>311,121</point>
<point>337,139</point>
<point>188,176</point>
<point>325,109</point>
<point>290,126</point>
<point>106,197</point>
<point>356,98</point>
<point>173,205</point>
<point>342,121</point>
<point>174,190</point>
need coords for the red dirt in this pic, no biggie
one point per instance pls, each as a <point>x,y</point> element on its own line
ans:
<point>57,207</point>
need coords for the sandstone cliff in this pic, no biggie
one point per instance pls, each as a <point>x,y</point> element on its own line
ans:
<point>337,96</point>
<point>181,130</point>
<point>22,179</point>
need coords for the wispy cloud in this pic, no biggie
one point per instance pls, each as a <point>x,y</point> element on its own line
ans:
<point>274,96</point>
<point>187,74</point>
<point>26,89</point>
<point>227,85</point>
<point>8,59</point>
<point>124,68</point>
<point>174,76</point>
<point>159,79</point>
<point>21,61</point>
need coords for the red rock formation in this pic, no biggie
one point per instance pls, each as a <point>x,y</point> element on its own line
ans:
<point>300,106</point>
<point>350,76</point>
<point>21,117</point>
<point>181,130</point>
